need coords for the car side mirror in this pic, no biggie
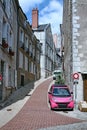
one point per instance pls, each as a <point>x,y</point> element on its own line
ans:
<point>49,92</point>
<point>71,92</point>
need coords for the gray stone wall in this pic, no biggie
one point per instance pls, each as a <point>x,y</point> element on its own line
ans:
<point>79,42</point>
<point>67,27</point>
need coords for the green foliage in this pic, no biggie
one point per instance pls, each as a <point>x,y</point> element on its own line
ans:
<point>59,79</point>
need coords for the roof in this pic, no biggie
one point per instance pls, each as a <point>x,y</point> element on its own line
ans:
<point>41,27</point>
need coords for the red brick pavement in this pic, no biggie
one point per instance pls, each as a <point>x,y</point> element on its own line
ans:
<point>35,114</point>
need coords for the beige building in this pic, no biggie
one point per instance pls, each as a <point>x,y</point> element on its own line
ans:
<point>28,53</point>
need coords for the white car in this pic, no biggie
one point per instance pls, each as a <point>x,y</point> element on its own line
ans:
<point>56,73</point>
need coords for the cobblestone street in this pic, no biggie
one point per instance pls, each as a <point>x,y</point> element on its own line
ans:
<point>36,114</point>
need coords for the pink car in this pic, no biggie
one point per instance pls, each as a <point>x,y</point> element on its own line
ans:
<point>59,97</point>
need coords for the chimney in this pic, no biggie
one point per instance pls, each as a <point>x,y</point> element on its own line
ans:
<point>34,18</point>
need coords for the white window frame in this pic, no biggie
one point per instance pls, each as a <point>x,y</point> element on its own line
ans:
<point>26,63</point>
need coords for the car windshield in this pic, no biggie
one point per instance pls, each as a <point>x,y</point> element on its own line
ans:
<point>61,92</point>
<point>57,72</point>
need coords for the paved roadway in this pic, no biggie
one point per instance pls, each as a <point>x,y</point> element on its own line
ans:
<point>36,115</point>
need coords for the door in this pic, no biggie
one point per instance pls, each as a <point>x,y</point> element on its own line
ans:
<point>85,86</point>
<point>22,80</point>
<point>1,82</point>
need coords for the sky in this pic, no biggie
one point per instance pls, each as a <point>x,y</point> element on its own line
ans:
<point>50,11</point>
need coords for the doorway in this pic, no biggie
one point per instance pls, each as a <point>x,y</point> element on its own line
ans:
<point>22,80</point>
<point>2,74</point>
<point>85,86</point>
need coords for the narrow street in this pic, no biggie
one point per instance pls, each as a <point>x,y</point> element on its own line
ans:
<point>36,114</point>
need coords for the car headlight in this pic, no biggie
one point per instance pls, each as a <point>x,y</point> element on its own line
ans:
<point>54,99</point>
<point>70,99</point>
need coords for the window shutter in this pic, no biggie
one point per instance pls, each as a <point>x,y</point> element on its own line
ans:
<point>1,26</point>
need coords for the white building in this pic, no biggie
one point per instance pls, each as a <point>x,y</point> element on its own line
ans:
<point>44,34</point>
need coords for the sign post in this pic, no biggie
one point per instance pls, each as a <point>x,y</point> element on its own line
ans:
<point>75,79</point>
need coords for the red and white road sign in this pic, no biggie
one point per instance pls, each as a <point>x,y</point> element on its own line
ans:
<point>75,76</point>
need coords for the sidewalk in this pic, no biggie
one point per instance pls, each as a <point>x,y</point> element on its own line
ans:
<point>76,126</point>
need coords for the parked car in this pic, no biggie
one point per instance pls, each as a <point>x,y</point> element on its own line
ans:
<point>56,73</point>
<point>58,76</point>
<point>60,97</point>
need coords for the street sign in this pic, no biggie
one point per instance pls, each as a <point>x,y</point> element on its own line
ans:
<point>75,82</point>
<point>75,76</point>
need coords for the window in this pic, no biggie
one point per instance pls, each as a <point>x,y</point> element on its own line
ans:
<point>21,36</point>
<point>4,3</point>
<point>38,55</point>
<point>61,92</point>
<point>20,60</point>
<point>22,80</point>
<point>26,63</point>
<point>34,69</point>
<point>11,77</point>
<point>10,39</point>
<point>4,29</point>
<point>33,51</point>
<point>31,67</point>
<point>26,41</point>
<point>30,47</point>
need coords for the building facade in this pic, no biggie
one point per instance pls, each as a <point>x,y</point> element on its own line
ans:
<point>20,50</point>
<point>28,53</point>
<point>8,45</point>
<point>67,39</point>
<point>44,34</point>
<point>57,43</point>
<point>75,42</point>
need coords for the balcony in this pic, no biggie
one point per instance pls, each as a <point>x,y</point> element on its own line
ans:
<point>11,52</point>
<point>4,43</point>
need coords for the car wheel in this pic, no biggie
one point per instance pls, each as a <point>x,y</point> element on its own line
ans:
<point>72,109</point>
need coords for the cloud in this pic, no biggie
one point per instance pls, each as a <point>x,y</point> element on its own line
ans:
<point>54,5</point>
<point>28,4</point>
<point>52,14</point>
